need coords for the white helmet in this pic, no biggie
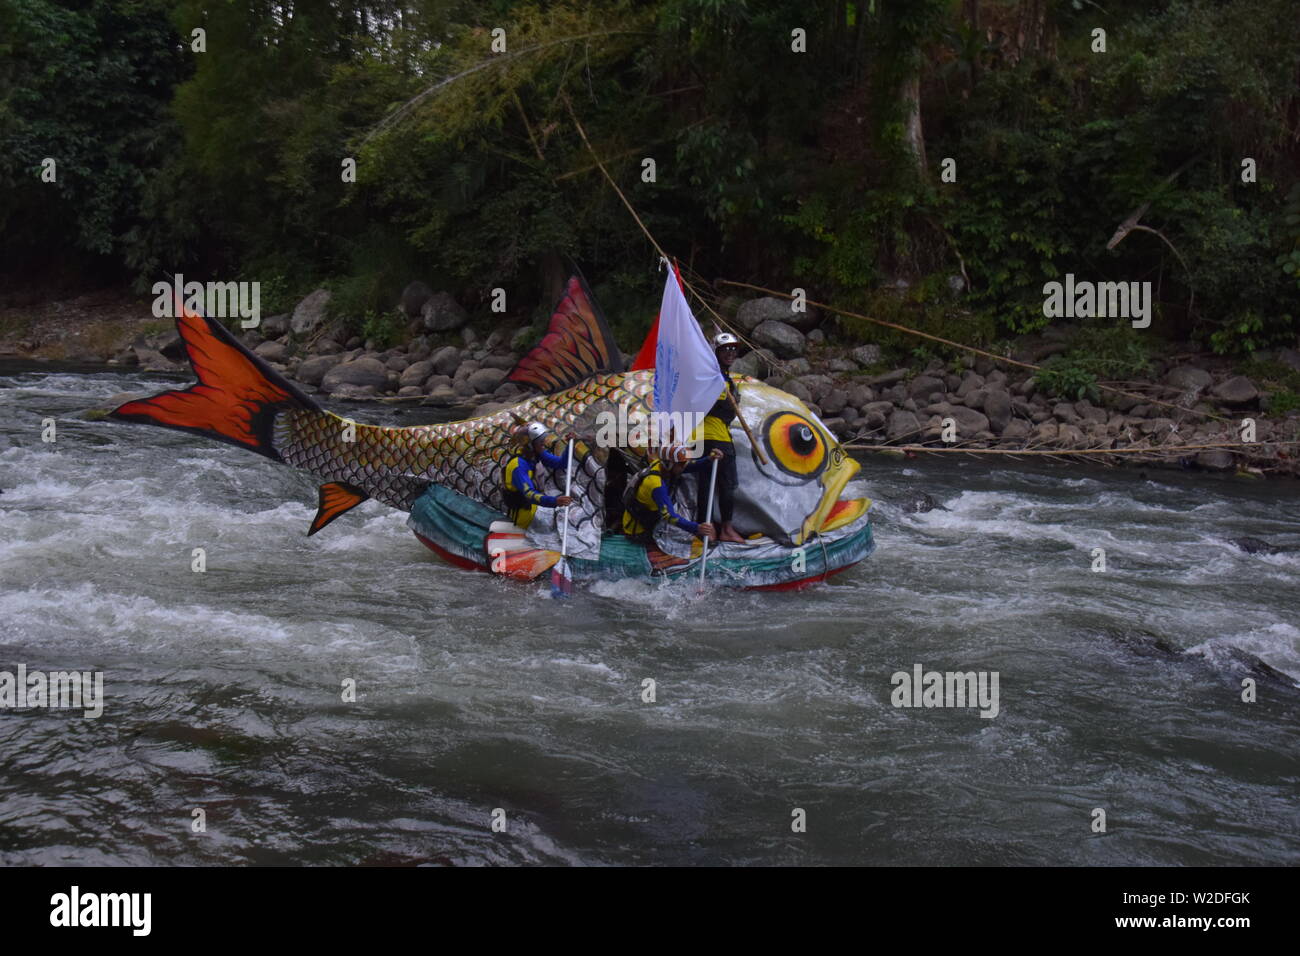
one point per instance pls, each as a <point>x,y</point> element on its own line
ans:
<point>535,430</point>
<point>724,338</point>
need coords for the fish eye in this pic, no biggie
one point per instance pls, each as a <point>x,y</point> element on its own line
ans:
<point>795,445</point>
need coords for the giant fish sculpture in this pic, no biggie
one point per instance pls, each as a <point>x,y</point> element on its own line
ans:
<point>449,476</point>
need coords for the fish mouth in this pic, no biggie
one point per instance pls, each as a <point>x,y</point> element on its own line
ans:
<point>831,512</point>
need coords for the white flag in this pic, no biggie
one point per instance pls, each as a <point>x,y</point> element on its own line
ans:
<point>687,378</point>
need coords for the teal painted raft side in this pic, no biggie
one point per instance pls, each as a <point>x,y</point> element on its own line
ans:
<point>457,527</point>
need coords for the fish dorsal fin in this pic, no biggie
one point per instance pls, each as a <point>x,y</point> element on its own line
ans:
<point>577,345</point>
<point>336,497</point>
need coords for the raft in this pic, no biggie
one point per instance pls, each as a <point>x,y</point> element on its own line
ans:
<point>461,531</point>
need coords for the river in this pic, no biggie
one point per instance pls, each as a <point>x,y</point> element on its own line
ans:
<point>1118,690</point>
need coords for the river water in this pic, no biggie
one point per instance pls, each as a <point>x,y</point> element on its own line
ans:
<point>1118,690</point>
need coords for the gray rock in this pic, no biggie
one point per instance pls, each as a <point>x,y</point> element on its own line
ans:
<point>860,396</point>
<point>799,390</point>
<point>398,363</point>
<point>816,337</point>
<point>446,360</point>
<point>755,312</point>
<point>1070,436</point>
<point>753,363</point>
<point>841,365</point>
<point>1046,431</point>
<point>327,347</point>
<point>888,378</point>
<point>877,413</point>
<point>1216,459</point>
<point>1015,430</point>
<point>465,369</point>
<point>309,313</point>
<point>975,398</point>
<point>1189,378</point>
<point>503,362</point>
<point>271,352</point>
<point>797,366</point>
<point>486,379</point>
<point>416,374</point>
<point>1237,390</point>
<point>785,340</point>
<point>469,337</point>
<point>969,422</point>
<point>923,386</point>
<point>1090,413</point>
<point>313,370</point>
<point>1290,358</point>
<point>362,372</point>
<point>1065,412</point>
<point>442,313</point>
<point>409,391</point>
<point>833,402</point>
<point>152,360</point>
<point>817,385</point>
<point>866,355</point>
<point>275,326</point>
<point>997,407</point>
<point>903,424</point>
<point>414,296</point>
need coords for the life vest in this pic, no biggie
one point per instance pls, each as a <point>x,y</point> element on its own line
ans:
<point>513,498</point>
<point>647,517</point>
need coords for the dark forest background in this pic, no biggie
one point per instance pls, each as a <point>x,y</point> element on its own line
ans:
<point>818,169</point>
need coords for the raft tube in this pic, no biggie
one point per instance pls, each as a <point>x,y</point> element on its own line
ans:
<point>457,528</point>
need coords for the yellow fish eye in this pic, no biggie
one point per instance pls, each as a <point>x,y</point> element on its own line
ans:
<point>796,445</point>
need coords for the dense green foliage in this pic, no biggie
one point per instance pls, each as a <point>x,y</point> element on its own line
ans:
<point>780,167</point>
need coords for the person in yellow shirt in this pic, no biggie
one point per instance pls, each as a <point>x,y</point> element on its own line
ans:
<point>716,433</point>
<point>649,497</point>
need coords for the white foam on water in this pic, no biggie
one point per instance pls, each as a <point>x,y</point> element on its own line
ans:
<point>1277,645</point>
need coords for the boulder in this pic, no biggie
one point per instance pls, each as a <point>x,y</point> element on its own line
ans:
<point>1045,432</point>
<point>416,374</point>
<point>785,340</point>
<point>469,337</point>
<point>769,309</point>
<point>753,363</point>
<point>1015,430</point>
<point>1070,436</point>
<point>888,378</point>
<point>903,425</point>
<point>866,355</point>
<point>799,390</point>
<point>313,370</point>
<point>1216,459</point>
<point>816,337</point>
<point>442,313</point>
<point>409,391</point>
<point>273,327</point>
<point>414,296</point>
<point>797,366</point>
<point>152,360</point>
<point>877,413</point>
<point>503,362</point>
<point>309,314</point>
<point>997,407</point>
<point>817,385</point>
<point>833,402</point>
<point>446,360</point>
<point>327,347</point>
<point>486,379</point>
<point>859,396</point>
<point>1189,378</point>
<point>465,369</point>
<point>923,386</point>
<point>969,422</point>
<point>1236,391</point>
<point>271,352</point>
<point>839,365</point>
<point>397,363</point>
<point>361,373</point>
<point>1089,413</point>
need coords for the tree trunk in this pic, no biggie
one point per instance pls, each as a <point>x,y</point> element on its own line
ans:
<point>910,95</point>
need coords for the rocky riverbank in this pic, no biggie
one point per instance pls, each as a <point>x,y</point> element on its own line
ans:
<point>973,402</point>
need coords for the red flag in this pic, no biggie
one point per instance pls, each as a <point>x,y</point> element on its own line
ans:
<point>646,357</point>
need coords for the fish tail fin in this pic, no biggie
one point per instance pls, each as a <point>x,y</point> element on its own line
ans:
<point>237,396</point>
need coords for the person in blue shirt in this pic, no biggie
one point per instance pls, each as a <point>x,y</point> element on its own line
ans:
<point>519,482</point>
<point>649,497</point>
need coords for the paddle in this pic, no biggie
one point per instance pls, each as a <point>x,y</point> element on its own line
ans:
<point>561,583</point>
<point>708,519</point>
